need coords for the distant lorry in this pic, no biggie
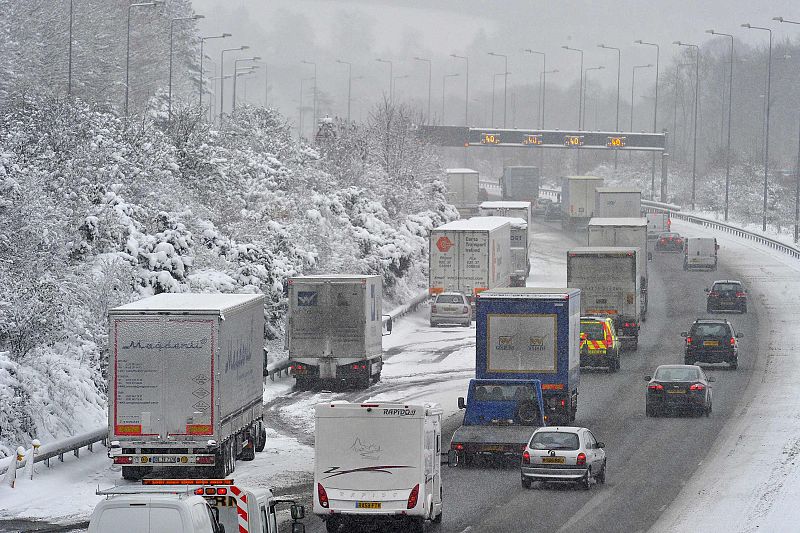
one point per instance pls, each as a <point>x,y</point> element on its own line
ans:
<point>470,256</point>
<point>376,463</point>
<point>190,506</point>
<point>609,279</point>
<point>628,232</point>
<point>657,223</point>
<point>185,382</point>
<point>334,329</point>
<point>578,199</point>
<point>700,253</point>
<point>463,190</point>
<point>520,217</point>
<point>618,202</point>
<point>532,333</point>
<point>520,183</point>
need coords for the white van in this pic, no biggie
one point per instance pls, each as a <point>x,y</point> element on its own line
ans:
<point>190,506</point>
<point>700,253</point>
<point>378,461</point>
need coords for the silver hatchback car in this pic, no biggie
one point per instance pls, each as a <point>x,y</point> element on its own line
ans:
<point>450,308</point>
<point>563,454</point>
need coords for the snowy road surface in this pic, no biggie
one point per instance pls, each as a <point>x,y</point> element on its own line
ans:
<point>650,459</point>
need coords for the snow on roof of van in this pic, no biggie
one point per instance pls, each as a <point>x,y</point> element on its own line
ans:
<point>190,302</point>
<point>505,204</point>
<point>475,223</point>
<point>460,171</point>
<point>632,221</point>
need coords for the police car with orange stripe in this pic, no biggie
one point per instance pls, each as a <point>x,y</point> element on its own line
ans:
<point>600,345</point>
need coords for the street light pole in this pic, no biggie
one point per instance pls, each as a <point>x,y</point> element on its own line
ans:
<point>586,77</point>
<point>69,61</point>
<point>505,85</point>
<point>430,70</point>
<point>444,79</point>
<point>171,46</point>
<point>316,118</point>
<point>655,115</point>
<point>619,70</point>
<point>696,99</point>
<point>349,85</point>
<point>202,42</point>
<point>391,78</point>
<point>541,84</point>
<point>128,50</point>
<point>222,78</point>
<point>494,80</point>
<point>466,88</point>
<point>766,135</point>
<point>730,99</point>
<point>544,91</point>
<point>236,70</point>
<point>633,85</point>
<point>797,169</point>
<point>580,90</point>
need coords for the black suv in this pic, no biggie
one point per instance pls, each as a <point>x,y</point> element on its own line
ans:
<point>712,341</point>
<point>726,294</point>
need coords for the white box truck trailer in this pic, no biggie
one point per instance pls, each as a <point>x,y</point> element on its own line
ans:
<point>470,256</point>
<point>700,253</point>
<point>377,462</point>
<point>519,215</point>
<point>628,232</point>
<point>185,382</point>
<point>520,183</point>
<point>609,279</point>
<point>334,329</point>
<point>577,199</point>
<point>463,190</point>
<point>618,202</point>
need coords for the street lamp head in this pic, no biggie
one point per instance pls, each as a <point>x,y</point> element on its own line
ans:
<point>198,17</point>
<point>492,54</point>
<point>778,19</point>
<point>677,43</point>
<point>746,26</point>
<point>225,35</point>
<point>637,41</point>
<point>565,47</point>
<point>244,47</point>
<point>710,31</point>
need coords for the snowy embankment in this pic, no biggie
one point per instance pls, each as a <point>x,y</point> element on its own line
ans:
<point>749,481</point>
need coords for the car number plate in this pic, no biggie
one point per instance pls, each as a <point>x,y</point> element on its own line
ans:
<point>164,460</point>
<point>368,505</point>
<point>597,352</point>
<point>710,343</point>
<point>676,391</point>
<point>553,460</point>
<point>493,448</point>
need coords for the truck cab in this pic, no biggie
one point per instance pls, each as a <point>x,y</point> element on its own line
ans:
<point>500,417</point>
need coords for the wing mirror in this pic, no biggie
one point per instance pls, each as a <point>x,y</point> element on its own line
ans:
<point>739,335</point>
<point>601,444</point>
<point>387,325</point>
<point>648,378</point>
<point>707,290</point>
<point>298,512</point>
<point>711,379</point>
<point>684,334</point>
<point>452,458</point>
<point>461,403</point>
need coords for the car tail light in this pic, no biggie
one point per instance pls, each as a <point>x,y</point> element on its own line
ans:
<point>457,446</point>
<point>526,457</point>
<point>322,495</point>
<point>688,340</point>
<point>740,295</point>
<point>581,459</point>
<point>465,310</point>
<point>563,403</point>
<point>733,341</point>
<point>697,386</point>
<point>433,309</point>
<point>123,460</point>
<point>663,241</point>
<point>630,324</point>
<point>713,294</point>
<point>655,386</point>
<point>413,497</point>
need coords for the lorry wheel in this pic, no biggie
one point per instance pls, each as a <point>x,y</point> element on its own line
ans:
<point>437,519</point>
<point>261,440</point>
<point>249,450</point>
<point>300,383</point>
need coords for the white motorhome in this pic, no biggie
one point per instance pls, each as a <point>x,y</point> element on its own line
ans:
<point>700,253</point>
<point>378,461</point>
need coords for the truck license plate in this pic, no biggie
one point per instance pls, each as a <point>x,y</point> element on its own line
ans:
<point>553,460</point>
<point>164,460</point>
<point>368,505</point>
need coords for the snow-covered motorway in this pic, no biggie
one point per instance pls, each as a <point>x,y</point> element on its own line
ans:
<point>650,460</point>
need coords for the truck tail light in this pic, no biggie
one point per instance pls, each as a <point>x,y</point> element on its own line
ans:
<point>205,460</point>
<point>714,294</point>
<point>581,461</point>
<point>322,495</point>
<point>740,295</point>
<point>123,460</point>
<point>655,386</point>
<point>697,386</point>
<point>413,497</point>
<point>688,340</point>
<point>526,457</point>
<point>433,308</point>
<point>457,446</point>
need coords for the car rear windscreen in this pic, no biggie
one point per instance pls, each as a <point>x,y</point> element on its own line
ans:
<point>593,330</point>
<point>449,299</point>
<point>724,287</point>
<point>554,440</point>
<point>676,374</point>
<point>710,330</point>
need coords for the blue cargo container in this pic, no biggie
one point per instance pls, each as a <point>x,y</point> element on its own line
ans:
<point>532,333</point>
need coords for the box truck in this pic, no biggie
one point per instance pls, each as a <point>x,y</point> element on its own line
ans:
<point>609,279</point>
<point>470,256</point>
<point>577,199</point>
<point>628,232</point>
<point>376,464</point>
<point>618,202</point>
<point>520,216</point>
<point>185,382</point>
<point>520,183</point>
<point>334,329</point>
<point>657,223</point>
<point>463,190</point>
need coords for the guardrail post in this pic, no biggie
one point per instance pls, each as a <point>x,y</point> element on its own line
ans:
<point>89,447</point>
<point>76,452</point>
<point>35,445</point>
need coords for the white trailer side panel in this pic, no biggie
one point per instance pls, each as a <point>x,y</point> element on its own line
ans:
<point>618,203</point>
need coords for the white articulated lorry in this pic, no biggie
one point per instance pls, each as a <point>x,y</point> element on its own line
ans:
<point>578,199</point>
<point>470,256</point>
<point>378,463</point>
<point>617,202</point>
<point>519,216</point>
<point>609,279</point>
<point>185,382</point>
<point>628,232</point>
<point>463,190</point>
<point>334,329</point>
